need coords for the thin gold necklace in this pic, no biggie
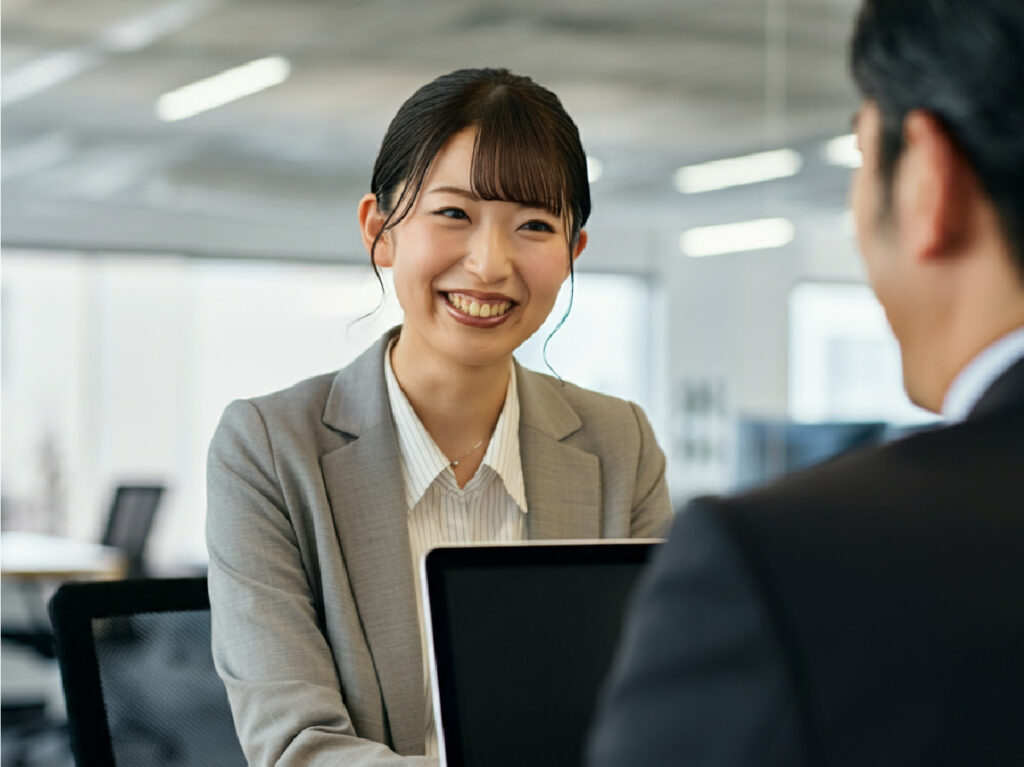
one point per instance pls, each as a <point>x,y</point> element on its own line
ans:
<point>461,458</point>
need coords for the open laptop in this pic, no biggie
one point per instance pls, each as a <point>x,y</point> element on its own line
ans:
<point>521,637</point>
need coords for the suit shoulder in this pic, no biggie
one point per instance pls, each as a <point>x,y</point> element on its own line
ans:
<point>931,472</point>
<point>309,391</point>
<point>296,406</point>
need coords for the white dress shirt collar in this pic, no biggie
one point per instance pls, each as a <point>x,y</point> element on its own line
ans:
<point>980,373</point>
<point>423,460</point>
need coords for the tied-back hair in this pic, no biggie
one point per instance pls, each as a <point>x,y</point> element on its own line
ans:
<point>963,62</point>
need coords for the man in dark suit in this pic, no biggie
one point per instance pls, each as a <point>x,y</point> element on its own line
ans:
<point>871,611</point>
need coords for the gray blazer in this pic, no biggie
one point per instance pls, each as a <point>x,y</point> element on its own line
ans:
<point>315,629</point>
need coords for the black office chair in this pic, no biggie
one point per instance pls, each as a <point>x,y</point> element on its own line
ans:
<point>138,675</point>
<point>129,522</point>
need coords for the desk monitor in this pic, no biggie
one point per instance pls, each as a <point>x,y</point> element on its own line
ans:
<point>521,637</point>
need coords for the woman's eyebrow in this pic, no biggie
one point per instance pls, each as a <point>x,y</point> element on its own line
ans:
<point>469,194</point>
<point>472,196</point>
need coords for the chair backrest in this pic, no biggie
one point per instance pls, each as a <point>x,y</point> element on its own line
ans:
<point>129,521</point>
<point>138,675</point>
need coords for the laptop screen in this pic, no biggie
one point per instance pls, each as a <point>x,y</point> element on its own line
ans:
<point>522,638</point>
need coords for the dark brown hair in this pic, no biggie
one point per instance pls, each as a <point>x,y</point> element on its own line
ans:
<point>527,148</point>
<point>961,61</point>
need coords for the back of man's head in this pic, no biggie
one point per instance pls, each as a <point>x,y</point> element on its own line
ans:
<point>963,62</point>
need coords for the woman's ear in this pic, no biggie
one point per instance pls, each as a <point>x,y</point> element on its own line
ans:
<point>581,243</point>
<point>371,221</point>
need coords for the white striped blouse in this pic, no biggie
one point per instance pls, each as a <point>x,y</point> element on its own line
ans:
<point>491,507</point>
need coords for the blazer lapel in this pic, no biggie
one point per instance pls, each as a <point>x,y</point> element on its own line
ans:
<point>563,482</point>
<point>364,485</point>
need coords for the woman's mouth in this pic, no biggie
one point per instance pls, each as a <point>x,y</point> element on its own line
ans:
<point>476,310</point>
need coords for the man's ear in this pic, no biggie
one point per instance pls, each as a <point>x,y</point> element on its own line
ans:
<point>932,187</point>
<point>371,221</point>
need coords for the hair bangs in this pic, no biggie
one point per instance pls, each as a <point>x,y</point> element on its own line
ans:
<point>514,161</point>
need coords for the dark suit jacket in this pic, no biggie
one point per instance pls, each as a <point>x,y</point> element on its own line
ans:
<point>867,612</point>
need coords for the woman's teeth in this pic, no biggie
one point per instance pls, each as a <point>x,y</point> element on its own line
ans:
<point>478,308</point>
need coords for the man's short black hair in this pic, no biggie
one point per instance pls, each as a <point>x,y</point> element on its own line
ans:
<point>962,61</point>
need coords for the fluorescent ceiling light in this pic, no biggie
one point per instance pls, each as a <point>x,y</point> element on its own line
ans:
<point>737,171</point>
<point>131,34</point>
<point>223,88</point>
<point>595,169</point>
<point>47,72</point>
<point>843,151</point>
<point>734,238</point>
<point>137,32</point>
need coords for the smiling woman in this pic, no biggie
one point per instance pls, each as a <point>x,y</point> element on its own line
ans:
<point>324,497</point>
<point>467,264</point>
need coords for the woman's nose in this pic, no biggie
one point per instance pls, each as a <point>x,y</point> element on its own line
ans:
<point>490,255</point>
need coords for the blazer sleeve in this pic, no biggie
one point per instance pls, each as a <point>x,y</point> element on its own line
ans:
<point>698,679</point>
<point>268,647</point>
<point>651,508</point>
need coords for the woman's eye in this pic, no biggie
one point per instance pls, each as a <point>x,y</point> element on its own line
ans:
<point>455,213</point>
<point>538,226</point>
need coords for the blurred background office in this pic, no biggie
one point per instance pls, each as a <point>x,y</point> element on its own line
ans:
<point>179,182</point>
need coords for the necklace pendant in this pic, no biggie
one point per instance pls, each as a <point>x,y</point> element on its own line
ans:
<point>466,455</point>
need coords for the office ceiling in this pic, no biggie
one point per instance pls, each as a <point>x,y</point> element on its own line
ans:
<point>653,84</point>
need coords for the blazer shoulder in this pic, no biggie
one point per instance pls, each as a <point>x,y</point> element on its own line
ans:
<point>308,395</point>
<point>288,421</point>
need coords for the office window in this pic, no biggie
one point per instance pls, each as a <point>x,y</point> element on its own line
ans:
<point>844,362</point>
<point>605,343</point>
<point>118,368</point>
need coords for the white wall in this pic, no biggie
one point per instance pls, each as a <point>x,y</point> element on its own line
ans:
<point>43,417</point>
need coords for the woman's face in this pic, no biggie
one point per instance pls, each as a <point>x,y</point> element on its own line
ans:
<point>475,278</point>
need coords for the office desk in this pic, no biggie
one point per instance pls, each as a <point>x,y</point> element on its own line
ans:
<point>31,566</point>
<point>32,556</point>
